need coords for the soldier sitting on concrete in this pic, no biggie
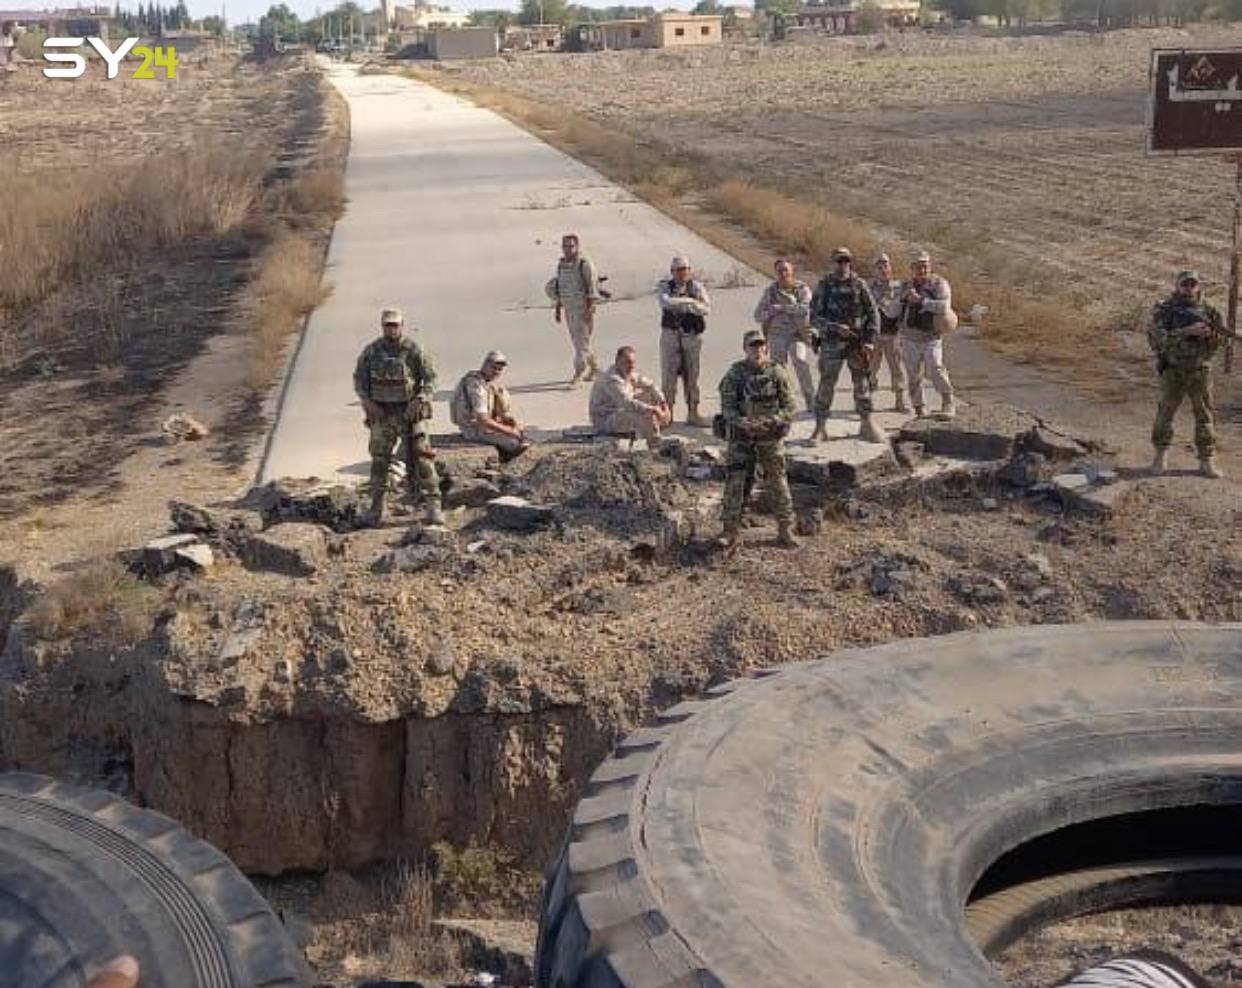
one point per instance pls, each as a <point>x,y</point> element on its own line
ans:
<point>623,402</point>
<point>482,409</point>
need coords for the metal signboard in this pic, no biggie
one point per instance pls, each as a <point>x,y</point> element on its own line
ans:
<point>1195,101</point>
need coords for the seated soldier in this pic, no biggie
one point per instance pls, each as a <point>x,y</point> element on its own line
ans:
<point>623,402</point>
<point>483,410</point>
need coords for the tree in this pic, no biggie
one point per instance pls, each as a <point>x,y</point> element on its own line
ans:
<point>544,12</point>
<point>214,25</point>
<point>706,7</point>
<point>280,24</point>
<point>499,19</point>
<point>870,18</point>
<point>785,8</point>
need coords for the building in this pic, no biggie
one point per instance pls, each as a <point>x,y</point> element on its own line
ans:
<point>535,37</point>
<point>462,42</point>
<point>426,15</point>
<point>67,22</point>
<point>667,30</point>
<point>843,16</point>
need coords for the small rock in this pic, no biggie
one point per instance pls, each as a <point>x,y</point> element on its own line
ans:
<point>411,558</point>
<point>437,535</point>
<point>518,514</point>
<point>809,522</point>
<point>443,658</point>
<point>476,546</point>
<point>1106,477</point>
<point>284,671</point>
<point>990,504</point>
<point>1050,444</point>
<point>1042,594</point>
<point>699,471</point>
<point>197,556</point>
<point>712,454</point>
<point>1040,563</point>
<point>908,453</point>
<point>183,427</point>
<point>471,494</point>
<point>294,549</point>
<point>1071,482</point>
<point>163,555</point>
<point>675,529</point>
<point>1024,469</point>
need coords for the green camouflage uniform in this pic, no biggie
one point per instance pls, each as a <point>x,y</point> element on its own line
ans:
<point>846,301</point>
<point>747,391</point>
<point>1184,366</point>
<point>401,380</point>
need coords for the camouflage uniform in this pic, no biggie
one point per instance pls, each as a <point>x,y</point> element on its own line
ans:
<point>683,312</point>
<point>921,342</point>
<point>887,295</point>
<point>845,301</point>
<point>475,396</point>
<point>747,391</point>
<point>1184,366</point>
<point>400,379</point>
<point>785,317</point>
<point>576,286</point>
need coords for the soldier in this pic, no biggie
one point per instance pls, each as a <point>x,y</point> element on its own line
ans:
<point>784,312</point>
<point>575,290</point>
<point>886,290</point>
<point>1185,333</point>
<point>394,380</point>
<point>846,322</point>
<point>684,306</point>
<point>757,405</point>
<point>623,401</point>
<point>926,299</point>
<point>482,409</point>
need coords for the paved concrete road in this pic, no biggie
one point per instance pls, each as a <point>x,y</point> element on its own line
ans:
<point>455,215</point>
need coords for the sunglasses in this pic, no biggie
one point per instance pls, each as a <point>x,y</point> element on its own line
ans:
<point>1189,283</point>
<point>756,344</point>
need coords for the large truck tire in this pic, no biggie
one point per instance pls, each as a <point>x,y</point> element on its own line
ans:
<point>85,876</point>
<point>825,823</point>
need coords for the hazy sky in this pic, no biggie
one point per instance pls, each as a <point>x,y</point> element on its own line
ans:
<point>244,10</point>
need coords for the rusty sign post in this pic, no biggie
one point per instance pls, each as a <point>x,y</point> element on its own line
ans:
<point>1195,107</point>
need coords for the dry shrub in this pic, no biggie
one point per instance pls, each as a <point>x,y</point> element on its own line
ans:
<point>102,600</point>
<point>415,945</point>
<point>286,289</point>
<point>318,195</point>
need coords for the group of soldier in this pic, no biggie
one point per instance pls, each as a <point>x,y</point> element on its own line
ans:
<point>849,321</point>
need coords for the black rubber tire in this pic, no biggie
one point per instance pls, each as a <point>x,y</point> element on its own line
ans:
<point>85,876</point>
<point>996,921</point>
<point>824,824</point>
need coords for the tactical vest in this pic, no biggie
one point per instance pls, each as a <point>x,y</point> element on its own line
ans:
<point>684,322</point>
<point>761,392</point>
<point>389,375</point>
<point>1174,314</point>
<point>921,319</point>
<point>841,300</point>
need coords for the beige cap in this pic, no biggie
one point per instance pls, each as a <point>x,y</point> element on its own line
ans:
<point>882,258</point>
<point>391,317</point>
<point>678,262</point>
<point>920,255</point>
<point>495,357</point>
<point>753,336</point>
<point>842,254</point>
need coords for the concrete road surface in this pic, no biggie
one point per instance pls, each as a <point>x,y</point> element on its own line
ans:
<point>455,215</point>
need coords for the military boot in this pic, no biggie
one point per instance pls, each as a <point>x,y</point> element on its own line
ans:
<point>785,535</point>
<point>869,431</point>
<point>695,419</point>
<point>435,514</point>
<point>948,407</point>
<point>729,535</point>
<point>592,368</point>
<point>821,429</point>
<point>578,378</point>
<point>1208,467</point>
<point>1160,462</point>
<point>920,412</point>
<point>901,405</point>
<point>375,514</point>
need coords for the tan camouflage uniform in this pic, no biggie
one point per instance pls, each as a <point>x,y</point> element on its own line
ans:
<point>617,404</point>
<point>475,396</point>
<point>922,347</point>
<point>683,312</point>
<point>785,316</point>
<point>574,285</point>
<point>887,295</point>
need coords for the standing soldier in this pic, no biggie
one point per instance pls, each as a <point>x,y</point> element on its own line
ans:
<point>684,307</point>
<point>1185,333</point>
<point>394,380</point>
<point>575,290</point>
<point>846,321</point>
<point>784,312</point>
<point>886,290</point>
<point>757,404</point>
<point>925,303</point>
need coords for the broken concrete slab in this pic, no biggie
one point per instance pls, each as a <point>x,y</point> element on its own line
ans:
<point>841,463</point>
<point>198,556</point>
<point>1024,469</point>
<point>294,549</point>
<point>518,514</point>
<point>1050,443</point>
<point>1070,482</point>
<point>1102,499</point>
<point>470,493</point>
<point>411,558</point>
<point>171,552</point>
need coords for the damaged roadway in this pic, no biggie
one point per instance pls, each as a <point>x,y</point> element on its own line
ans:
<point>302,705</point>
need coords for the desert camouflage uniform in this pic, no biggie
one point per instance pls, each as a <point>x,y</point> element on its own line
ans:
<point>475,396</point>
<point>683,313</point>
<point>785,315</point>
<point>616,404</point>
<point>887,295</point>
<point>845,301</point>
<point>747,391</point>
<point>1184,366</point>
<point>574,285</point>
<point>922,344</point>
<point>400,379</point>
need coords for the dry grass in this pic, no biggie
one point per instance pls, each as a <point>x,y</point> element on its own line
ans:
<point>57,228</point>
<point>286,289</point>
<point>100,600</point>
<point>316,196</point>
